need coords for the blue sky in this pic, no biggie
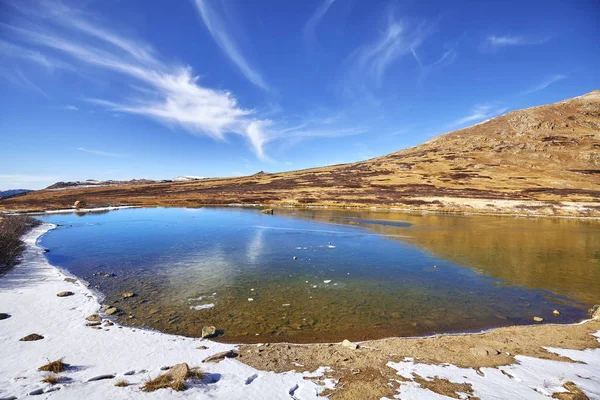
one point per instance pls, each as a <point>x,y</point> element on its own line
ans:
<point>121,89</point>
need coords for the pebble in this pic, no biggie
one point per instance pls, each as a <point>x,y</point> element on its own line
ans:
<point>95,323</point>
<point>65,294</point>
<point>250,299</point>
<point>127,295</point>
<point>556,312</point>
<point>128,373</point>
<point>538,319</point>
<point>31,338</point>
<point>37,392</point>
<point>9,398</point>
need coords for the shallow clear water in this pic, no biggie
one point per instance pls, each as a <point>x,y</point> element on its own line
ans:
<point>357,275</point>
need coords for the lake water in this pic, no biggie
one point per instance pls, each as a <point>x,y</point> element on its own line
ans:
<point>320,276</point>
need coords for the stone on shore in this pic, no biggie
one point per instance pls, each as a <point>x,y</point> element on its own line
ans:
<point>101,377</point>
<point>349,345</point>
<point>209,331</point>
<point>221,356</point>
<point>94,318</point>
<point>65,294</point>
<point>31,338</point>
<point>127,295</point>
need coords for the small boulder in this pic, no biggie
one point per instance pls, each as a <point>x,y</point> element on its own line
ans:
<point>36,392</point>
<point>267,211</point>
<point>209,331</point>
<point>94,318</point>
<point>65,294</point>
<point>349,345</point>
<point>221,356</point>
<point>556,312</point>
<point>127,295</point>
<point>538,319</point>
<point>4,316</point>
<point>111,310</point>
<point>31,338</point>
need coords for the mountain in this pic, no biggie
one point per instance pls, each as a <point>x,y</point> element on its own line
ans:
<point>13,192</point>
<point>539,160</point>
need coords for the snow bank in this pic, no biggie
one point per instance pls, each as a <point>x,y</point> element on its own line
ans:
<point>28,295</point>
<point>532,378</point>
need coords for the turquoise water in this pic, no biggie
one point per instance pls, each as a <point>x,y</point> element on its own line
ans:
<point>311,277</point>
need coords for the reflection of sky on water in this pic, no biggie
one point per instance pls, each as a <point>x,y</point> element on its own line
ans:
<point>376,274</point>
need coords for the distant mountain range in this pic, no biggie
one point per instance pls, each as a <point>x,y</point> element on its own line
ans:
<point>132,182</point>
<point>13,192</point>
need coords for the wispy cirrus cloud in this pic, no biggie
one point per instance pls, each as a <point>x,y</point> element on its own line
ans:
<point>399,38</point>
<point>169,93</point>
<point>544,84</point>
<point>496,41</point>
<point>310,28</point>
<point>102,153</point>
<point>478,114</point>
<point>70,107</point>
<point>218,29</point>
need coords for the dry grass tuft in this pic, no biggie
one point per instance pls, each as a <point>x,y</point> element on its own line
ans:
<point>170,380</point>
<point>122,383</point>
<point>51,379</point>
<point>54,366</point>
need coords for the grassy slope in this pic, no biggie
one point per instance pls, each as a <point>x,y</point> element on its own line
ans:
<point>543,160</point>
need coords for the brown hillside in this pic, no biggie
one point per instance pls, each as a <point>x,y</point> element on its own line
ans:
<point>540,160</point>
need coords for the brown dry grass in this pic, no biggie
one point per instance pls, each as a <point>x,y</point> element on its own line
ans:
<point>12,227</point>
<point>50,378</point>
<point>54,366</point>
<point>573,393</point>
<point>166,380</point>
<point>538,157</point>
<point>122,383</point>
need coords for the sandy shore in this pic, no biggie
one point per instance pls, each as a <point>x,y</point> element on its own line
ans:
<point>516,362</point>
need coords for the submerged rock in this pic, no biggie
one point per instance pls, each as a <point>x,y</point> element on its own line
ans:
<point>556,312</point>
<point>209,331</point>
<point>94,318</point>
<point>31,338</point>
<point>349,345</point>
<point>111,311</point>
<point>267,211</point>
<point>538,319</point>
<point>65,294</point>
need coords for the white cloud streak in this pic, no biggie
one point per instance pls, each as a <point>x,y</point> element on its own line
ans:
<point>168,93</point>
<point>310,28</point>
<point>399,38</point>
<point>479,114</point>
<point>511,40</point>
<point>545,83</point>
<point>217,28</point>
<point>102,153</point>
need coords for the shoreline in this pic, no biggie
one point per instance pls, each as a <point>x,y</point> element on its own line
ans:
<point>28,294</point>
<point>357,208</point>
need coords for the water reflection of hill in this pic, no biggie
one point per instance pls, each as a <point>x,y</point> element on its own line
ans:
<point>559,255</point>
